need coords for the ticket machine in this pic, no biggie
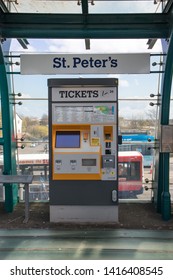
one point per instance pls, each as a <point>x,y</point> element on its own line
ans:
<point>83,135</point>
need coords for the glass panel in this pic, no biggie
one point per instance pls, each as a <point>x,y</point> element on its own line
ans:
<point>1,132</point>
<point>138,132</point>
<point>44,6</point>
<point>171,109</point>
<point>37,192</point>
<point>96,46</point>
<point>138,87</point>
<point>171,155</point>
<point>130,175</point>
<point>2,194</point>
<point>137,115</point>
<point>94,6</point>
<point>131,6</point>
<point>32,107</point>
<point>171,177</point>
<point>33,159</point>
<point>2,190</point>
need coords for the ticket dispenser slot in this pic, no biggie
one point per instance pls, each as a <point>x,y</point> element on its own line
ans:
<point>83,150</point>
<point>108,145</point>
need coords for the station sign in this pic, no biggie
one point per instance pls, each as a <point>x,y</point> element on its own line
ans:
<point>52,64</point>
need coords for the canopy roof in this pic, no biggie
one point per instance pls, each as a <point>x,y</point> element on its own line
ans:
<point>86,18</point>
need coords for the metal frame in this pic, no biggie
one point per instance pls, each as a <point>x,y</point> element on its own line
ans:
<point>9,144</point>
<point>164,199</point>
<point>22,179</point>
<point>88,26</point>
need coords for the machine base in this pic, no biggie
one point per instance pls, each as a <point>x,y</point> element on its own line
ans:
<point>84,214</point>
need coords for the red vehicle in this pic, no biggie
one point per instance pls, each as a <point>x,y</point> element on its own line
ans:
<point>130,174</point>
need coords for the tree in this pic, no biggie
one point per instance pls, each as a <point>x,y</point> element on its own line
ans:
<point>38,131</point>
<point>44,120</point>
<point>152,116</point>
<point>32,128</point>
<point>28,122</point>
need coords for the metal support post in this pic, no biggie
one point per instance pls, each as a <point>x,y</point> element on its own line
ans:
<point>163,183</point>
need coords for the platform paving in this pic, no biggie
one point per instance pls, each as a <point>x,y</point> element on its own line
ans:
<point>37,244</point>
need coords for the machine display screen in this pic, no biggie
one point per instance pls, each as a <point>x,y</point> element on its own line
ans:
<point>88,162</point>
<point>67,139</point>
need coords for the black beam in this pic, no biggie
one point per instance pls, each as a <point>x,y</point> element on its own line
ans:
<point>85,6</point>
<point>87,44</point>
<point>3,7</point>
<point>85,12</point>
<point>78,26</point>
<point>168,7</point>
